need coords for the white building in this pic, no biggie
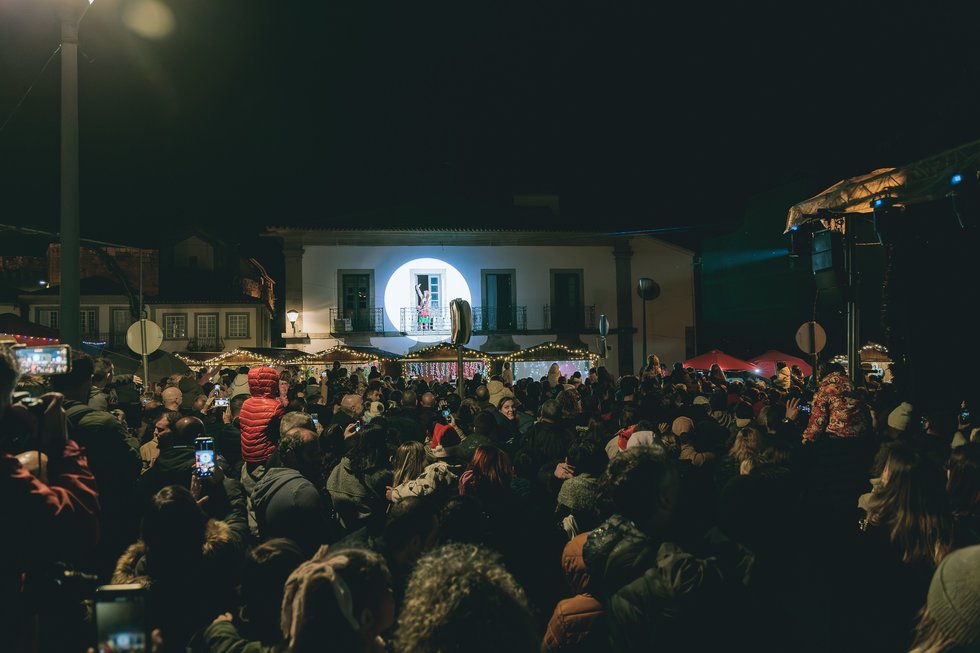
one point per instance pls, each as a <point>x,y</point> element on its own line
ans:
<point>526,287</point>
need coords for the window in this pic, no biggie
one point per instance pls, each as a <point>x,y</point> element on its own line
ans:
<point>237,326</point>
<point>88,322</point>
<point>48,317</point>
<point>207,326</point>
<point>174,326</point>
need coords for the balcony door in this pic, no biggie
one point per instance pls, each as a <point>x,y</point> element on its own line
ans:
<point>356,300</point>
<point>121,320</point>
<point>498,300</point>
<point>567,300</point>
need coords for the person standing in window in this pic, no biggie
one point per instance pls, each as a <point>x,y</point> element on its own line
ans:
<point>425,303</point>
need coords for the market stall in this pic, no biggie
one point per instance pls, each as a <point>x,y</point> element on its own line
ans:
<point>352,358</point>
<point>875,359</point>
<point>723,360</point>
<point>439,362</point>
<point>16,330</point>
<point>244,357</point>
<point>766,363</point>
<point>534,362</point>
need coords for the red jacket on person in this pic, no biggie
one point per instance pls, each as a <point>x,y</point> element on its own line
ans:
<point>260,415</point>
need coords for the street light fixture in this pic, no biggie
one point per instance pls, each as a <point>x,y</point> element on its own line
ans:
<point>292,315</point>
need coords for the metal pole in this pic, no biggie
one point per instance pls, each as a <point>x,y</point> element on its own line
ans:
<point>146,363</point>
<point>853,358</point>
<point>644,361</point>
<point>459,372</point>
<point>69,303</point>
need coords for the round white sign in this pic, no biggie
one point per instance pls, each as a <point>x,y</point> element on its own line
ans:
<point>811,338</point>
<point>144,344</point>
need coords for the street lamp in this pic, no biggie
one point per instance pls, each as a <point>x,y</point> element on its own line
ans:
<point>70,13</point>
<point>292,315</point>
<point>647,289</point>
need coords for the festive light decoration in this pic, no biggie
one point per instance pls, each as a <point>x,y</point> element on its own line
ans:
<point>553,351</point>
<point>23,339</point>
<point>439,361</point>
<point>237,357</point>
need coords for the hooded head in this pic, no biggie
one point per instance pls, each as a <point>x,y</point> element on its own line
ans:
<point>263,382</point>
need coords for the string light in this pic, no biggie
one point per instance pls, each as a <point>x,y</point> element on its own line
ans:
<point>536,353</point>
<point>30,340</point>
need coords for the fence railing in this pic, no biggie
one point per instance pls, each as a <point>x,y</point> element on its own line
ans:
<point>115,339</point>
<point>435,321</point>
<point>206,344</point>
<point>357,320</point>
<point>569,319</point>
<point>493,319</point>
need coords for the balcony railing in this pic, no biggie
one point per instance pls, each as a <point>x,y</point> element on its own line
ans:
<point>115,339</point>
<point>211,343</point>
<point>569,319</point>
<point>357,320</point>
<point>436,322</point>
<point>493,319</point>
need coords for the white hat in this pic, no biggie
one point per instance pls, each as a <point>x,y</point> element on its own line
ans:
<point>701,400</point>
<point>899,418</point>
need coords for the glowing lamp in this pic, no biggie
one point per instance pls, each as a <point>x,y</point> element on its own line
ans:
<point>292,315</point>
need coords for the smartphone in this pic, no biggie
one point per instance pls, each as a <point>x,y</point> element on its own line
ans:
<point>204,456</point>
<point>45,360</point>
<point>965,417</point>
<point>122,618</point>
<point>358,425</point>
<point>316,420</point>
<point>221,402</point>
<point>323,374</point>
<point>804,408</point>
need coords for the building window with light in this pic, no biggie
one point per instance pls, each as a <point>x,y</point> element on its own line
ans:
<point>175,326</point>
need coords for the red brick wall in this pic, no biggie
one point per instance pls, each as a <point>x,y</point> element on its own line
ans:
<point>127,259</point>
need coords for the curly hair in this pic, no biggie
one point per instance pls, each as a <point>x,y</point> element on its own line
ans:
<point>461,598</point>
<point>635,480</point>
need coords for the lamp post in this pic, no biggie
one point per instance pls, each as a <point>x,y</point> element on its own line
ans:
<point>292,315</point>
<point>647,289</point>
<point>70,13</point>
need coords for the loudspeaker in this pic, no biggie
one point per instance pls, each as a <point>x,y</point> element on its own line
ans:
<point>827,259</point>
<point>461,316</point>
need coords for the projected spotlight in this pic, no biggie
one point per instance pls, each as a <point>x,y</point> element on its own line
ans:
<point>417,298</point>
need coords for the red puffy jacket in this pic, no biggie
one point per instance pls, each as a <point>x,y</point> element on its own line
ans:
<point>260,415</point>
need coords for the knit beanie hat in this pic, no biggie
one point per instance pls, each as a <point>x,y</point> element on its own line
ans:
<point>579,493</point>
<point>682,425</point>
<point>954,597</point>
<point>701,400</point>
<point>899,418</point>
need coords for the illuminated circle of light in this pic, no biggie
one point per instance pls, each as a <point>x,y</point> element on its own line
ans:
<point>400,293</point>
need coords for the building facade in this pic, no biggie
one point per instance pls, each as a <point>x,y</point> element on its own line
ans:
<point>391,289</point>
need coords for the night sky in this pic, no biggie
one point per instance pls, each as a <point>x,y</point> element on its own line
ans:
<point>638,115</point>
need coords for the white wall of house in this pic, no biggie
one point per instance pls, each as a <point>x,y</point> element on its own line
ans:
<point>533,266</point>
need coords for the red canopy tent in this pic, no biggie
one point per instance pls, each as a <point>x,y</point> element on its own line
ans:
<point>725,362</point>
<point>766,363</point>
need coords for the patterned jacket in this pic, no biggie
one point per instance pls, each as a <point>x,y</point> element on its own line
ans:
<point>836,410</point>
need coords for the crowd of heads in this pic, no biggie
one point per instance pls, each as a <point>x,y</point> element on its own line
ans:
<point>354,511</point>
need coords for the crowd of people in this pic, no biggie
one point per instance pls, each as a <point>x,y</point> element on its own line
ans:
<point>672,510</point>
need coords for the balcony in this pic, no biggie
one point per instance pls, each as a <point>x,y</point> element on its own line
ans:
<point>569,319</point>
<point>115,339</point>
<point>491,319</point>
<point>437,322</point>
<point>206,343</point>
<point>357,320</point>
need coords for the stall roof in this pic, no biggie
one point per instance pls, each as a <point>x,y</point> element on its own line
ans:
<point>552,351</point>
<point>444,351</point>
<point>247,356</point>
<point>724,361</point>
<point>348,354</point>
<point>922,181</point>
